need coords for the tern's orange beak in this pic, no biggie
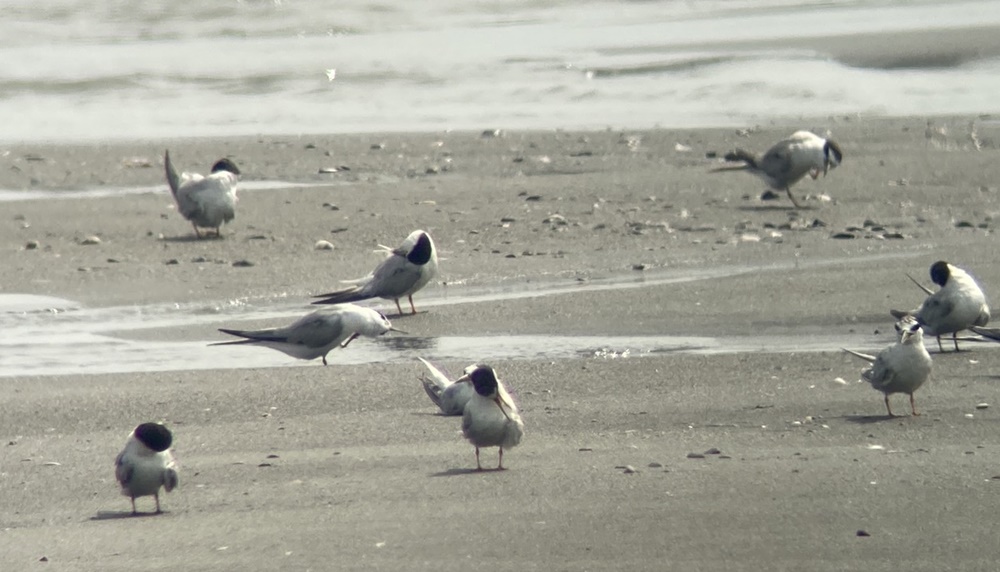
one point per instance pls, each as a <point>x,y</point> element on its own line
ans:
<point>398,331</point>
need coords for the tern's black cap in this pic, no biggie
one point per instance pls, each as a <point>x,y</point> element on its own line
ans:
<point>484,379</point>
<point>832,148</point>
<point>421,252</point>
<point>155,436</point>
<point>940,272</point>
<point>225,164</point>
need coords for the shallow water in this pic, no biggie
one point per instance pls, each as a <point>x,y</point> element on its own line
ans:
<point>91,70</point>
<point>51,336</point>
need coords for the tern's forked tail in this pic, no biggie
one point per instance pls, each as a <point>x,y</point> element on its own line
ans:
<point>352,294</point>
<point>173,179</point>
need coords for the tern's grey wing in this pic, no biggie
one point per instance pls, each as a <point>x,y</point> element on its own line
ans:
<point>779,163</point>
<point>433,391</point>
<point>393,278</point>
<point>437,378</point>
<point>196,195</point>
<point>170,479</point>
<point>123,469</point>
<point>935,310</point>
<point>466,422</point>
<point>315,330</point>
<point>880,374</point>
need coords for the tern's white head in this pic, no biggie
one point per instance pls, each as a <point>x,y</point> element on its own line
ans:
<point>909,331</point>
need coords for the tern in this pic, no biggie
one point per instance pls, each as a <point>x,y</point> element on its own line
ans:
<point>788,161</point>
<point>405,270</point>
<point>958,304</point>
<point>900,368</point>
<point>490,418</point>
<point>316,334</point>
<point>146,464</point>
<point>208,202</point>
<point>448,395</point>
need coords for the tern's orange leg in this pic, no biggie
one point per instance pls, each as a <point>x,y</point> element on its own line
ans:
<point>913,406</point>
<point>791,196</point>
<point>887,408</point>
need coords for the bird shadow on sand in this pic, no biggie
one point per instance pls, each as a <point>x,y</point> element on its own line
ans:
<point>456,472</point>
<point>119,514</point>
<point>408,342</point>
<point>191,238</point>
<point>772,208</point>
<point>869,419</point>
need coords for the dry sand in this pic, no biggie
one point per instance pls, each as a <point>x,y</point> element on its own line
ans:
<point>348,467</point>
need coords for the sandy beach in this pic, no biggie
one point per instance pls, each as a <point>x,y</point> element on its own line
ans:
<point>621,233</point>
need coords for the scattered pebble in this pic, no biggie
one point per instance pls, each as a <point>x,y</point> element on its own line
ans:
<point>713,451</point>
<point>982,405</point>
<point>31,245</point>
<point>556,219</point>
<point>323,245</point>
<point>91,240</point>
<point>862,533</point>
<point>843,235</point>
<point>242,264</point>
<point>655,465</point>
<point>695,456</point>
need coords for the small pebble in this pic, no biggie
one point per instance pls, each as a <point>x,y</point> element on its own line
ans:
<point>713,451</point>
<point>31,245</point>
<point>91,240</point>
<point>982,405</point>
<point>862,533</point>
<point>243,264</point>
<point>323,245</point>
<point>695,456</point>
<point>655,465</point>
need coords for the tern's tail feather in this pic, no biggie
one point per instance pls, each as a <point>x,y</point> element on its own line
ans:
<point>436,383</point>
<point>741,156</point>
<point>173,179</point>
<point>870,359</point>
<point>926,290</point>
<point>352,294</point>
<point>251,337</point>
<point>991,333</point>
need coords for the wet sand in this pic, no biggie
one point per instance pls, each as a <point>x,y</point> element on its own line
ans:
<point>349,467</point>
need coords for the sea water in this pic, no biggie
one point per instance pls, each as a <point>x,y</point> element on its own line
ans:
<point>87,70</point>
